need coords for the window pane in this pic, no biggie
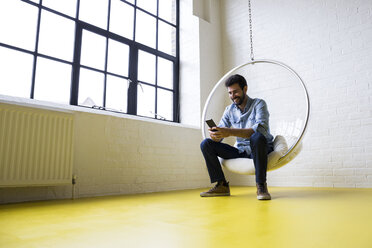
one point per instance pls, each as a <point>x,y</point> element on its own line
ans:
<point>167,10</point>
<point>165,73</point>
<point>165,104</point>
<point>53,81</point>
<point>146,67</point>
<point>167,38</point>
<point>94,12</point>
<point>149,5</point>
<point>118,58</point>
<point>16,73</point>
<point>18,24</point>
<point>90,88</point>
<point>56,36</point>
<point>93,50</point>
<point>122,19</point>
<point>116,93</point>
<point>146,100</point>
<point>67,7</point>
<point>145,29</point>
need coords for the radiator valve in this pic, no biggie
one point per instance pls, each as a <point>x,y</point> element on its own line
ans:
<point>74,178</point>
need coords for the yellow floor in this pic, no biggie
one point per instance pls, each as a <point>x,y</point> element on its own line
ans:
<point>296,217</point>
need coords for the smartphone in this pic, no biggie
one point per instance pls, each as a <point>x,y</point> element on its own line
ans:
<point>211,124</point>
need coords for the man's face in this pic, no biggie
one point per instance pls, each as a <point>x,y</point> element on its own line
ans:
<point>237,94</point>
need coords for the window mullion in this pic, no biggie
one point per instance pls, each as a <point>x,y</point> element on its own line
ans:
<point>156,87</point>
<point>134,22</point>
<point>133,73</point>
<point>106,57</point>
<point>35,54</point>
<point>105,75</point>
<point>76,65</point>
<point>156,60</point>
<point>176,66</point>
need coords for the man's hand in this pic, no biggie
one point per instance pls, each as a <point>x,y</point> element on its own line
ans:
<point>218,133</point>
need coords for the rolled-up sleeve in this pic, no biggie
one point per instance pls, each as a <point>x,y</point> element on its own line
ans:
<point>225,120</point>
<point>262,118</point>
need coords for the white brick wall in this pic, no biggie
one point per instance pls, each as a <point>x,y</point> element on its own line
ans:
<point>328,42</point>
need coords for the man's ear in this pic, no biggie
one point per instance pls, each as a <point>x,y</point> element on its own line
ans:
<point>245,89</point>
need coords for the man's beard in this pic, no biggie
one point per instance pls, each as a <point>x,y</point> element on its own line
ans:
<point>241,100</point>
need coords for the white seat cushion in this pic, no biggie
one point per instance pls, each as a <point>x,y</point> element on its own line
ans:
<point>246,166</point>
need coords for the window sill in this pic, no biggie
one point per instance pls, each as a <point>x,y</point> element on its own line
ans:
<point>32,103</point>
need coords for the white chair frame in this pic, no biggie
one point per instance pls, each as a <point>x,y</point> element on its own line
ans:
<point>296,147</point>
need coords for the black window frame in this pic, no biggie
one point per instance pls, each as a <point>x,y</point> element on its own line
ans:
<point>134,48</point>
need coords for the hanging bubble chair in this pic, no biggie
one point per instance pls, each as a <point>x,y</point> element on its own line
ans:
<point>288,103</point>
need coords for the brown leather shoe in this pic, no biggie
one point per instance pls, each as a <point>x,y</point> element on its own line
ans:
<point>262,192</point>
<point>220,189</point>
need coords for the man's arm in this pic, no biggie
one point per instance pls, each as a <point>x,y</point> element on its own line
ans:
<point>261,118</point>
<point>224,132</point>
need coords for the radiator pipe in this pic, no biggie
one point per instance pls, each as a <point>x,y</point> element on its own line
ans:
<point>74,178</point>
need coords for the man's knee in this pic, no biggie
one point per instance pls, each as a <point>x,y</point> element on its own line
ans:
<point>257,139</point>
<point>205,144</point>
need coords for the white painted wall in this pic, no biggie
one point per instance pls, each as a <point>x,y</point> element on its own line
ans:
<point>211,63</point>
<point>201,56</point>
<point>189,65</point>
<point>328,44</point>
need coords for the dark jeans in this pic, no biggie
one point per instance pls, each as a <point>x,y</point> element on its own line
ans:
<point>260,148</point>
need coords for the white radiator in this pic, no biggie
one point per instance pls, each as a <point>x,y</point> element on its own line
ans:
<point>36,146</point>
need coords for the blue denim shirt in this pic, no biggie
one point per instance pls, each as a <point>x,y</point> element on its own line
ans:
<point>255,115</point>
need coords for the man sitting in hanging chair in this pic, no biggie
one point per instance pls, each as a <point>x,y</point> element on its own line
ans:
<point>248,120</point>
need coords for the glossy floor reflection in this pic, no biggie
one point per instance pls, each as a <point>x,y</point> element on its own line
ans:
<point>296,217</point>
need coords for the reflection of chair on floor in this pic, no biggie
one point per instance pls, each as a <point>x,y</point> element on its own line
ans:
<point>287,132</point>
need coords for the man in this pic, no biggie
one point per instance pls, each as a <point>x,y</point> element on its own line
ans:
<point>248,120</point>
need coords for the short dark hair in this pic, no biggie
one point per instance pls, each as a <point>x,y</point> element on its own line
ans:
<point>236,79</point>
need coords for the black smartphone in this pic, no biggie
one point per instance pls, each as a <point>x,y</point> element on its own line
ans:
<point>211,124</point>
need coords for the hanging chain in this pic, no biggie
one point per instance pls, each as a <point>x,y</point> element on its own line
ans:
<point>250,28</point>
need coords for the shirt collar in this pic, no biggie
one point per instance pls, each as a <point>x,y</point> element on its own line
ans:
<point>247,105</point>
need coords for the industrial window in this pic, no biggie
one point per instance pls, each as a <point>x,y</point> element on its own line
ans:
<point>114,55</point>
